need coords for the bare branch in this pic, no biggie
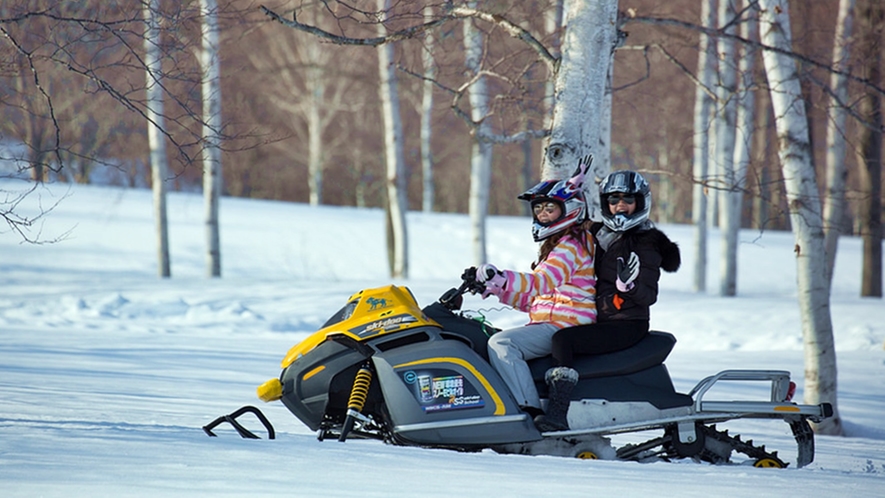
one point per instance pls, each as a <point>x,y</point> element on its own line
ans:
<point>411,32</point>
<point>43,92</point>
<point>403,34</point>
<point>716,33</point>
<point>514,31</point>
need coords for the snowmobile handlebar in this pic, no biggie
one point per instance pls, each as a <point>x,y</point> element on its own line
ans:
<point>452,298</point>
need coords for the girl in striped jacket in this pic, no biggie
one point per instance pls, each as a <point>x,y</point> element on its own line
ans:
<point>558,293</point>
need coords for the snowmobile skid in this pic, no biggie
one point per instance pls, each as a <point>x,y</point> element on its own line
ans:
<point>383,368</point>
<point>242,431</point>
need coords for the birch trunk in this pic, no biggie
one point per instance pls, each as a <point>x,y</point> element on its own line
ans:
<point>481,156</point>
<point>553,24</point>
<point>743,139</point>
<point>393,151</point>
<point>316,88</point>
<point>209,62</point>
<point>834,206</point>
<point>725,150</point>
<point>579,89</point>
<point>805,211</point>
<point>427,117</point>
<point>703,106</point>
<point>871,18</point>
<point>602,159</point>
<point>156,141</point>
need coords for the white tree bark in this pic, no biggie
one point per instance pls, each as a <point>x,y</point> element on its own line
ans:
<point>427,118</point>
<point>729,220</point>
<point>732,205</point>
<point>481,156</point>
<point>393,151</point>
<point>553,23</point>
<point>703,106</point>
<point>603,154</point>
<point>305,85</point>
<point>579,90</point>
<point>156,141</point>
<point>834,206</point>
<point>805,211</point>
<point>211,88</point>
<point>315,125</point>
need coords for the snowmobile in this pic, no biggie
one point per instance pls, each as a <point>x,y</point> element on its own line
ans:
<point>384,368</point>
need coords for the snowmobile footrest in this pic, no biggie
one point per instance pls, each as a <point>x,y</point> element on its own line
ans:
<point>242,431</point>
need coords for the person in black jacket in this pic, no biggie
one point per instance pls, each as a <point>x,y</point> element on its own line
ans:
<point>630,255</point>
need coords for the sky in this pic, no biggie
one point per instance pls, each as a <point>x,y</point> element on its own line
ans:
<point>108,373</point>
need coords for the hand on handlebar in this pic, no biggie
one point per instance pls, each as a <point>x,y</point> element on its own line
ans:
<point>492,280</point>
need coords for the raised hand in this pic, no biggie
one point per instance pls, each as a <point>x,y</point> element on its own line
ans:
<point>627,272</point>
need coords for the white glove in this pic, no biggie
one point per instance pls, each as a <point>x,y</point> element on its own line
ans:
<point>492,278</point>
<point>627,272</point>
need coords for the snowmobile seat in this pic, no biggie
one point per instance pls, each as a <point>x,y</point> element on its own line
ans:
<point>637,373</point>
<point>652,350</point>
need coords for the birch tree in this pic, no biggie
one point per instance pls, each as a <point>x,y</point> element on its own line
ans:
<point>701,143</point>
<point>726,122</point>
<point>590,37</point>
<point>211,89</point>
<point>805,211</point>
<point>871,19</point>
<point>481,154</point>
<point>309,83</point>
<point>732,205</point>
<point>602,159</point>
<point>397,203</point>
<point>156,140</point>
<point>427,192</point>
<point>834,206</point>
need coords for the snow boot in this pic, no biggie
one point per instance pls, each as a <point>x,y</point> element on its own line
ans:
<point>560,382</point>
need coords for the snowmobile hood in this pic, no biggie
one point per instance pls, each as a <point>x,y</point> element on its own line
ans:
<point>368,314</point>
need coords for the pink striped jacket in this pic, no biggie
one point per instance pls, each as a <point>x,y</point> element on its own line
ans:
<point>561,290</point>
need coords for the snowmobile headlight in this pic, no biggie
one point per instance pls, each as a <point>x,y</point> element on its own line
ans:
<point>271,390</point>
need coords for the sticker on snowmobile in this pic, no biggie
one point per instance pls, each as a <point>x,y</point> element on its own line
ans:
<point>376,303</point>
<point>439,390</point>
<point>385,325</point>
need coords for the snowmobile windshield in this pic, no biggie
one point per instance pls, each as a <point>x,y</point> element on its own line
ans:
<point>342,314</point>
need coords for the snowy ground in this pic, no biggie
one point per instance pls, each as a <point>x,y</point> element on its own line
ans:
<point>107,373</point>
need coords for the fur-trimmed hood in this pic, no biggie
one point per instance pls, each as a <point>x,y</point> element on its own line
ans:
<point>670,256</point>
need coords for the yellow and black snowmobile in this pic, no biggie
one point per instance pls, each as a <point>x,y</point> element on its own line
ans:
<point>382,367</point>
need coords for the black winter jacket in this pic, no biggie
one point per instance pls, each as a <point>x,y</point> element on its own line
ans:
<point>656,252</point>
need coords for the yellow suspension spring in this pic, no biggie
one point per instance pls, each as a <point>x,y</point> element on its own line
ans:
<point>360,390</point>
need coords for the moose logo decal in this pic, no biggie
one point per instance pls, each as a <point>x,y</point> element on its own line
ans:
<point>375,303</point>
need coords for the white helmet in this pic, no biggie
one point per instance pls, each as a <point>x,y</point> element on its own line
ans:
<point>630,183</point>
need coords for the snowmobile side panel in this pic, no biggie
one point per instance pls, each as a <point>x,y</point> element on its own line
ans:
<point>442,393</point>
<point>652,385</point>
<point>308,388</point>
<point>599,413</point>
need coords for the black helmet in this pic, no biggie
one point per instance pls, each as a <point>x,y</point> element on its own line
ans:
<point>625,182</point>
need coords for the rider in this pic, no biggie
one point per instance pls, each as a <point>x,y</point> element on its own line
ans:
<point>630,254</point>
<point>558,293</point>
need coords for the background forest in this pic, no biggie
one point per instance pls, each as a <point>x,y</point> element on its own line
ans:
<point>72,93</point>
